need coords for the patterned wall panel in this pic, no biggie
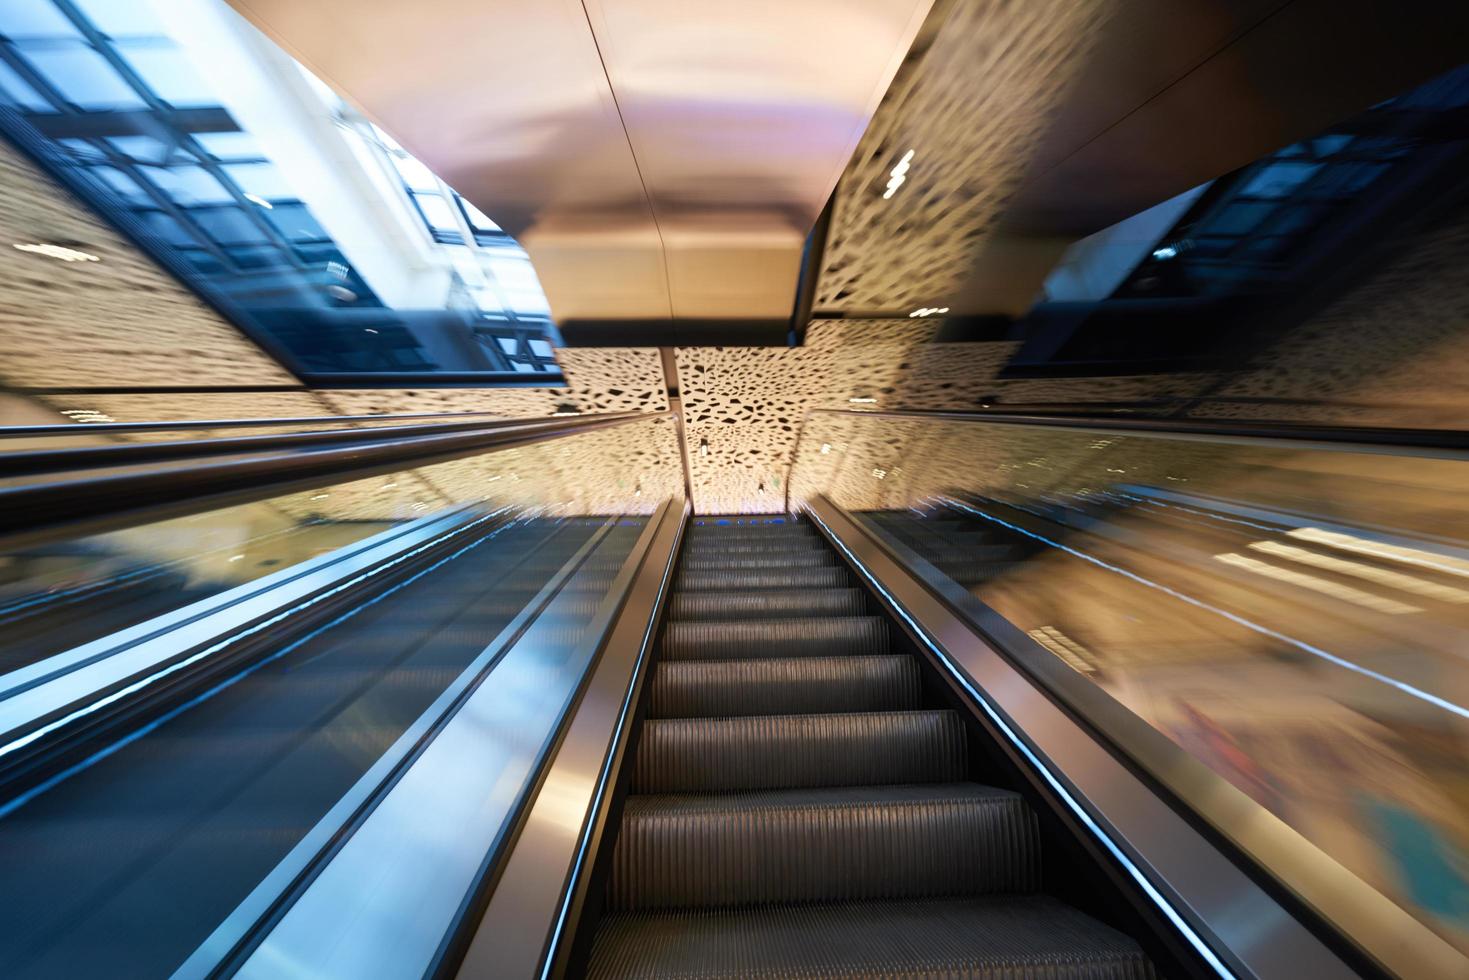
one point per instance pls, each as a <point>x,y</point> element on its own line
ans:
<point>120,320</point>
<point>973,108</point>
<point>599,379</point>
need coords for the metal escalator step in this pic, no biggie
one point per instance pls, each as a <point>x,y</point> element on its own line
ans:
<point>805,559</point>
<point>797,685</point>
<point>831,576</point>
<point>823,845</point>
<point>706,755</point>
<point>705,548</point>
<point>1014,937</point>
<point>766,605</point>
<point>744,639</point>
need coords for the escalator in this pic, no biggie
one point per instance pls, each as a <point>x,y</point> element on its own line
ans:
<point>802,804</point>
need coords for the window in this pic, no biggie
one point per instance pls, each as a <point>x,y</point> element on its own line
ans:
<point>138,128</point>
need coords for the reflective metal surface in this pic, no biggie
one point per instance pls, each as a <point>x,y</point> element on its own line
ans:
<point>1234,926</point>
<point>669,159</point>
<point>1271,629</point>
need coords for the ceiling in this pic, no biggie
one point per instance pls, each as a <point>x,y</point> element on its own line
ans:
<point>1014,112</point>
<point>660,160</point>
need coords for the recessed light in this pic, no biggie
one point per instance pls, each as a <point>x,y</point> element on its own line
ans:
<point>898,175</point>
<point>703,447</point>
<point>58,252</point>
<point>862,401</point>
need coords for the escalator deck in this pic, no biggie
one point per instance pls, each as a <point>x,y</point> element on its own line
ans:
<point>796,810</point>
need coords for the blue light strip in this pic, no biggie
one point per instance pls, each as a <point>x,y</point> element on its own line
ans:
<point>983,701</point>
<point>17,802</point>
<point>1302,645</point>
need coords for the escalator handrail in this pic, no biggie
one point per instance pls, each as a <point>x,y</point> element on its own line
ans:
<point>61,429</point>
<point>89,504</point>
<point>30,462</point>
<point>1438,443</point>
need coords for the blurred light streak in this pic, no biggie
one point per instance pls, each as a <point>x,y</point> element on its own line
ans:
<point>1301,645</point>
<point>1325,586</point>
<point>1363,546</point>
<point>1396,580</point>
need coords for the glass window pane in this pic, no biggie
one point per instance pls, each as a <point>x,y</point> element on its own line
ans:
<point>120,18</point>
<point>228,226</point>
<point>436,212</point>
<point>34,18</point>
<point>507,344</point>
<point>1280,179</point>
<point>122,185</point>
<point>170,75</point>
<point>296,223</point>
<point>415,174</point>
<point>478,220</point>
<point>19,92</point>
<point>514,274</point>
<point>523,367</point>
<point>143,149</point>
<point>1238,219</point>
<point>540,348</point>
<point>188,185</point>
<point>257,258</point>
<point>229,146</point>
<point>84,77</point>
<point>528,301</point>
<point>264,180</point>
<point>167,227</point>
<point>84,151</point>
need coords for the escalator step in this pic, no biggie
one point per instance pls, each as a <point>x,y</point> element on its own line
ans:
<point>703,755</point>
<point>706,548</point>
<point>766,605</point>
<point>731,688</point>
<point>829,845</point>
<point>1014,937</point>
<point>803,559</point>
<point>832,576</point>
<point>736,640</point>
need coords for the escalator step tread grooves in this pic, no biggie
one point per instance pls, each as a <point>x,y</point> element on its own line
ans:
<point>1004,937</point>
<point>710,563</point>
<point>838,844</point>
<point>710,755</point>
<point>830,577</point>
<point>737,605</point>
<point>778,686</point>
<point>741,639</point>
<point>794,811</point>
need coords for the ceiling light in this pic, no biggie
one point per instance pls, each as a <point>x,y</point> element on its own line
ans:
<point>87,415</point>
<point>898,175</point>
<point>257,199</point>
<point>1165,252</point>
<point>321,496</point>
<point>237,557</point>
<point>929,310</point>
<point>58,252</point>
<point>862,401</point>
<point>703,447</point>
<point>825,448</point>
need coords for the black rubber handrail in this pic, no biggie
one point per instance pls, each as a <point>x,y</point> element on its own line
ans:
<point>1393,441</point>
<point>66,429</point>
<point>93,503</point>
<point>29,462</point>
